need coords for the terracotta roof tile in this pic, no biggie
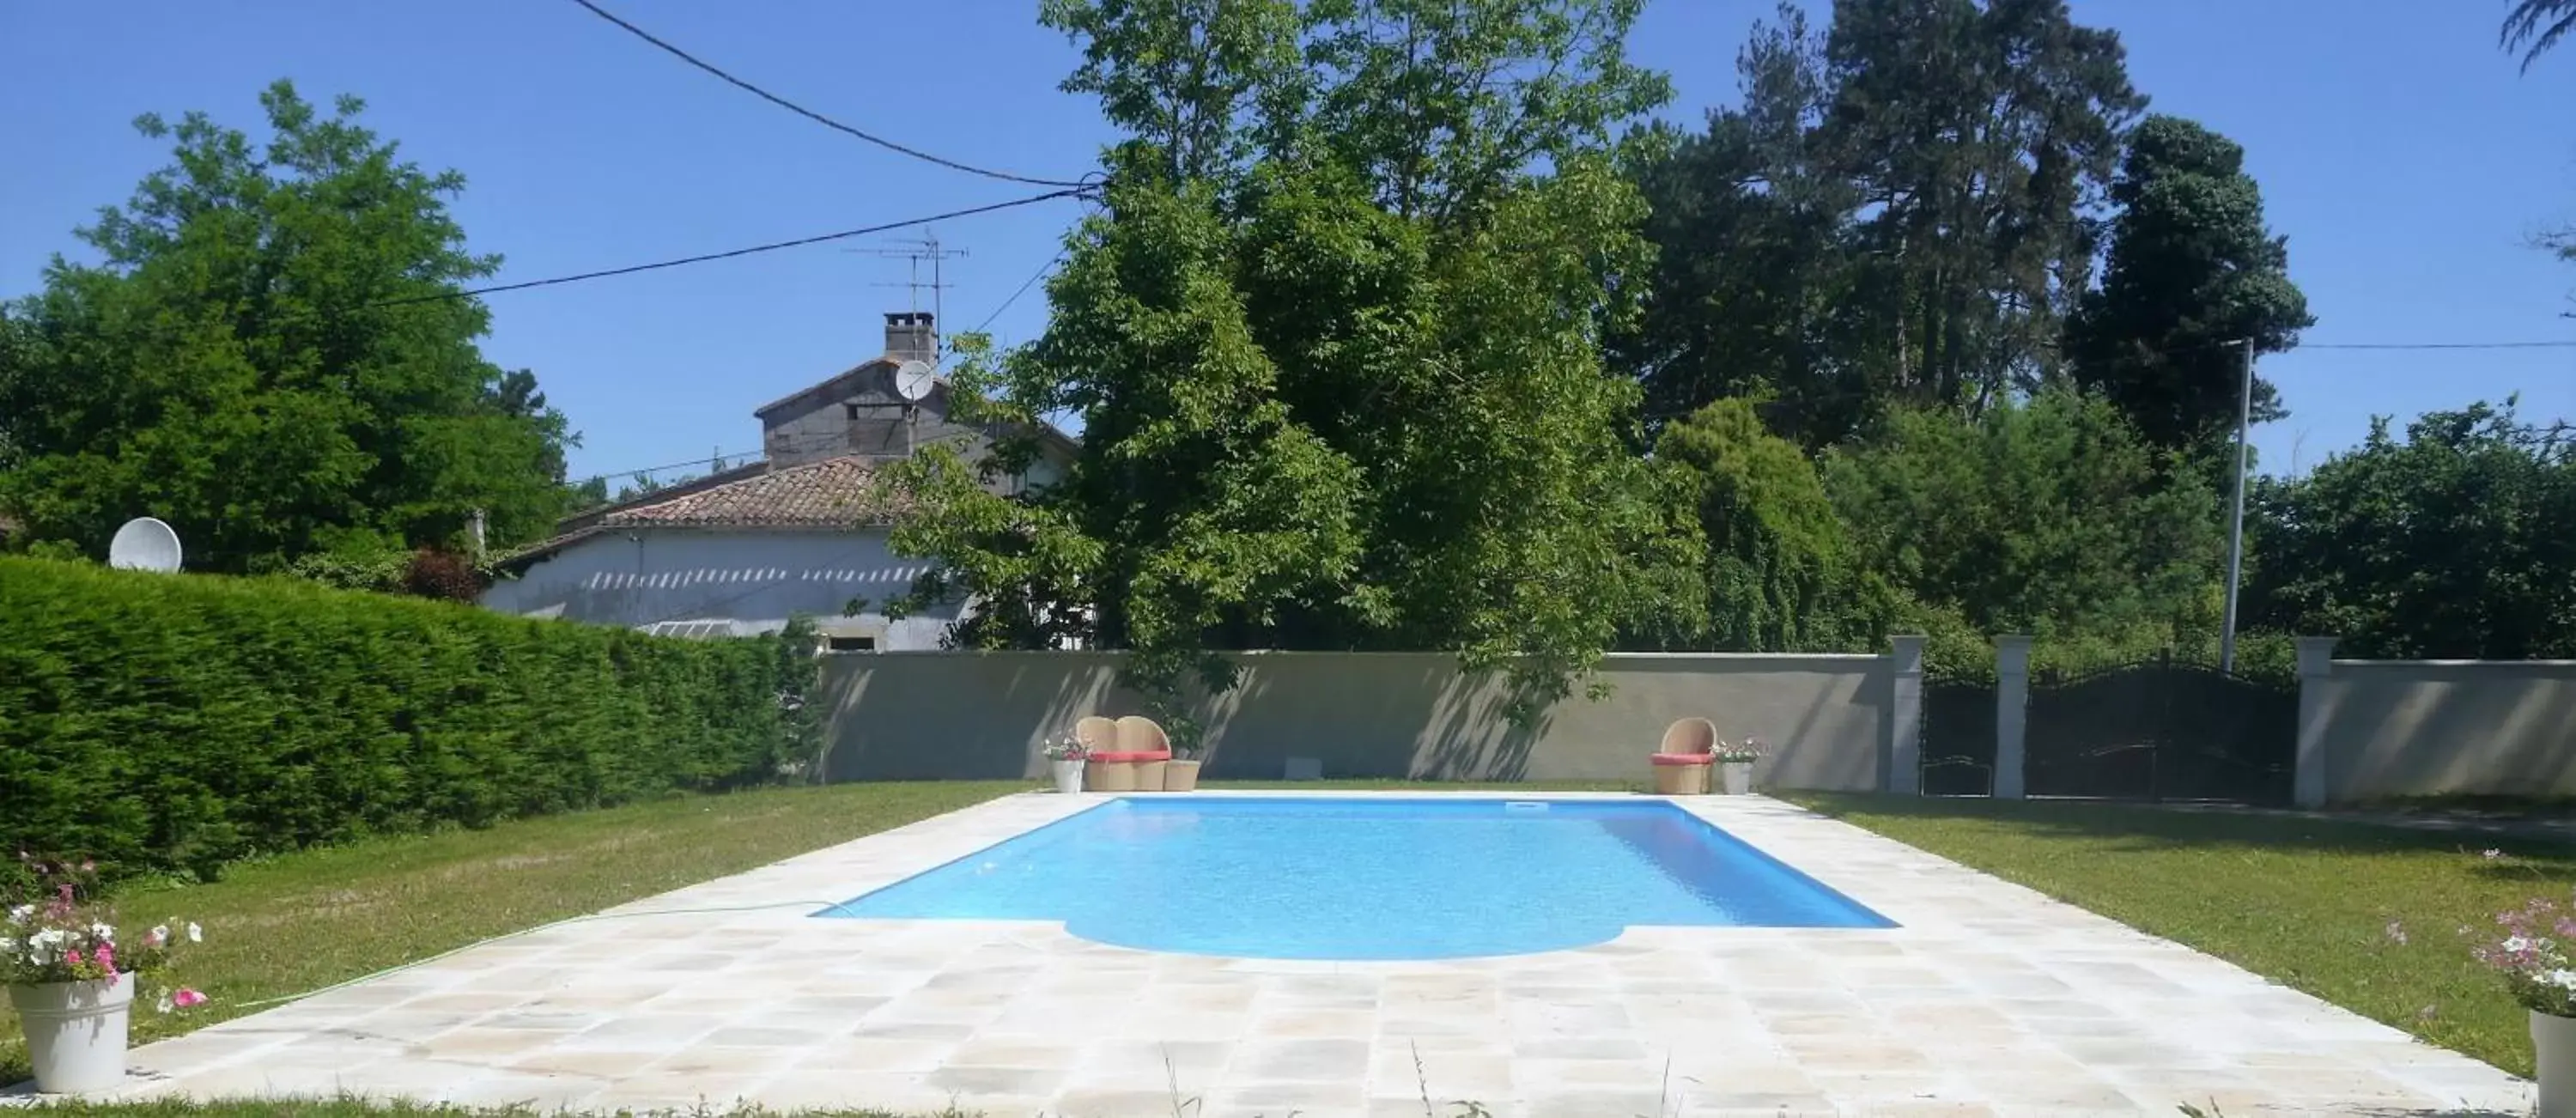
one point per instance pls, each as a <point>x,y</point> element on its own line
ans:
<point>833,493</point>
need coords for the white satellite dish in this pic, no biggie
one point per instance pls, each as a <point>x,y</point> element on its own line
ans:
<point>144,544</point>
<point>912,380</point>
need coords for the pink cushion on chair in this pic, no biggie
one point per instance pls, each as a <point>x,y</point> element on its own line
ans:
<point>1684,758</point>
<point>1132,755</point>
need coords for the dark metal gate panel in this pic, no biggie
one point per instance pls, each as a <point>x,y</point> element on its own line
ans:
<point>2161,731</point>
<point>1958,744</point>
<point>2228,738</point>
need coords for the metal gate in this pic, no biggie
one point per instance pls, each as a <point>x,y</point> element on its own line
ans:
<point>1958,742</point>
<point>2161,730</point>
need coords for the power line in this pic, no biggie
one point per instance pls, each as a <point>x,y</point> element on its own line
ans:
<point>1024,287</point>
<point>771,247</point>
<point>810,114</point>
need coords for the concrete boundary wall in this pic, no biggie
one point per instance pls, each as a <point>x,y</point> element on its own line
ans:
<point>1833,721</point>
<point>2376,729</point>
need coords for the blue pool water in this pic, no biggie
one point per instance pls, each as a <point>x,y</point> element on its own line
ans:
<point>1313,878</point>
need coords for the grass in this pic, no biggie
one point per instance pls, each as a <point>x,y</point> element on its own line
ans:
<point>2308,903</point>
<point>301,921</point>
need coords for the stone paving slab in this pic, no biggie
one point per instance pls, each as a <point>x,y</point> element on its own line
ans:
<point>1989,999</point>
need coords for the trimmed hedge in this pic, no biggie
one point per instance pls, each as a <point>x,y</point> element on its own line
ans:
<point>174,723</point>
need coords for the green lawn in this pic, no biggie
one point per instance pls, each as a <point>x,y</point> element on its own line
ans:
<point>2307,903</point>
<point>301,921</point>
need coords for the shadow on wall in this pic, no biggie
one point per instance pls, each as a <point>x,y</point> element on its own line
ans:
<point>961,715</point>
<point>2412,728</point>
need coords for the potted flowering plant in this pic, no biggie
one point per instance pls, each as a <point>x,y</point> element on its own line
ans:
<point>1735,764</point>
<point>1181,773</point>
<point>1065,755</point>
<point>2530,950</point>
<point>72,976</point>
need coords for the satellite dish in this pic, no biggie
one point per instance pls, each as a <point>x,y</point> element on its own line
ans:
<point>144,544</point>
<point>912,380</point>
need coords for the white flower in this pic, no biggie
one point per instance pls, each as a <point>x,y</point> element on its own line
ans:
<point>164,1006</point>
<point>160,935</point>
<point>22,914</point>
<point>103,933</point>
<point>195,933</point>
<point>2516,943</point>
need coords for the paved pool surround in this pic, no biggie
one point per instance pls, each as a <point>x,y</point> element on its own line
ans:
<point>1988,998</point>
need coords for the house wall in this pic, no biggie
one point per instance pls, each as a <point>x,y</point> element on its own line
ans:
<point>2386,728</point>
<point>986,715</point>
<point>638,576</point>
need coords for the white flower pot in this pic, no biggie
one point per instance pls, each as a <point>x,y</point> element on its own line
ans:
<point>75,1032</point>
<point>1068,775</point>
<point>1735,777</point>
<point>2553,1047</point>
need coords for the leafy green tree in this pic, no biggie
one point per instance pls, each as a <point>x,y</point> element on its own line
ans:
<point>1333,340</point>
<point>1778,571</point>
<point>269,356</point>
<point>2458,541</point>
<point>2051,517</point>
<point>2192,272</point>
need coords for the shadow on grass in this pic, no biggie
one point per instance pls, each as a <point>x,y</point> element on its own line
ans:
<point>2153,827</point>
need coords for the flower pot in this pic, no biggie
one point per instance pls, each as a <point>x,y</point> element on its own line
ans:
<point>75,1032</point>
<point>1068,774</point>
<point>2553,1046</point>
<point>1180,775</point>
<point>1149,775</point>
<point>1735,777</point>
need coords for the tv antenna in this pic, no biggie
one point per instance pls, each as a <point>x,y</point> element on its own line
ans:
<point>918,251</point>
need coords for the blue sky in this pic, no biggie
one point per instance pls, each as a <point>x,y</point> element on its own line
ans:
<point>2402,153</point>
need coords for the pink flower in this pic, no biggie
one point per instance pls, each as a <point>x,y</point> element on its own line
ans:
<point>186,997</point>
<point>72,956</point>
<point>107,957</point>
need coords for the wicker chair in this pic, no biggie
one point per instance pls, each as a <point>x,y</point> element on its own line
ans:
<point>1142,742</point>
<point>1682,762</point>
<point>1099,738</point>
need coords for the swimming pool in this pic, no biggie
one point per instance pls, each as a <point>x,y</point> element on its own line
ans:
<point>1373,878</point>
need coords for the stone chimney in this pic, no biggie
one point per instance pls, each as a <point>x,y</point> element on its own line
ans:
<point>913,336</point>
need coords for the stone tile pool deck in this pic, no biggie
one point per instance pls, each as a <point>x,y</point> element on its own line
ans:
<point>1990,999</point>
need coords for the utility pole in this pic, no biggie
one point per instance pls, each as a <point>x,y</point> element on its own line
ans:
<point>2236,518</point>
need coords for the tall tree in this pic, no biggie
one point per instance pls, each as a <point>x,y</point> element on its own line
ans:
<point>1981,137</point>
<point>1756,288</point>
<point>1337,365</point>
<point>270,357</point>
<point>2457,541</point>
<point>1903,212</point>
<point>2192,274</point>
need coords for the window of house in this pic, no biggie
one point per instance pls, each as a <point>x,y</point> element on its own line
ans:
<point>853,644</point>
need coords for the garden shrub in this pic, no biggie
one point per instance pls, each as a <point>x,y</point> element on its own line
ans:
<point>166,723</point>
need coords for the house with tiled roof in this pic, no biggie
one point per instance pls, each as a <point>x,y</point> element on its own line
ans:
<point>802,531</point>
